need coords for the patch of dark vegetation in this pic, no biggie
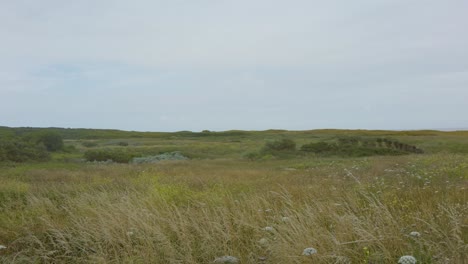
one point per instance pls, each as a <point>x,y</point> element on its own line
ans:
<point>342,146</point>
<point>360,147</point>
<point>89,144</point>
<point>115,155</point>
<point>30,147</point>
<point>280,148</point>
<point>319,147</point>
<point>18,150</point>
<point>280,145</point>
<point>51,140</point>
<point>126,155</point>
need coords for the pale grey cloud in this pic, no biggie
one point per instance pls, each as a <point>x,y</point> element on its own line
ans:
<point>218,64</point>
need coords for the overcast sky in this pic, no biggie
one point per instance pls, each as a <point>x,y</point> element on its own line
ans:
<point>174,65</point>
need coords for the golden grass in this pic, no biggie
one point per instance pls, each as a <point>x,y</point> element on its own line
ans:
<point>350,210</point>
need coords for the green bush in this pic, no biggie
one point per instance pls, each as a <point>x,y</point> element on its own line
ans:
<point>18,150</point>
<point>118,156</point>
<point>251,155</point>
<point>319,147</point>
<point>89,144</point>
<point>69,149</point>
<point>351,140</point>
<point>51,140</point>
<point>280,145</point>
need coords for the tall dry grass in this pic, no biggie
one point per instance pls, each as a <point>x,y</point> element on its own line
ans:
<point>350,210</point>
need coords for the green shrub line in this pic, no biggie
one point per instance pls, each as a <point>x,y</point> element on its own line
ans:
<point>341,146</point>
<point>356,147</point>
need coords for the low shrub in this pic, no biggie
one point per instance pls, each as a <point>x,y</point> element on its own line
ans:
<point>319,147</point>
<point>69,149</point>
<point>17,150</point>
<point>51,140</point>
<point>280,145</point>
<point>253,155</point>
<point>118,156</point>
<point>89,144</point>
<point>282,148</point>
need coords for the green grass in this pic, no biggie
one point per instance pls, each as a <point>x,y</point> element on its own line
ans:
<point>351,209</point>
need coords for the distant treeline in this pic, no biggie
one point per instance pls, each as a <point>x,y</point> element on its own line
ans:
<point>81,133</point>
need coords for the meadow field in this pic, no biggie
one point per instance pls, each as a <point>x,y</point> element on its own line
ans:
<point>231,197</point>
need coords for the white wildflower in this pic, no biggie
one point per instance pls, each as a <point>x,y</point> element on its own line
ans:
<point>309,251</point>
<point>407,260</point>
<point>131,231</point>
<point>226,259</point>
<point>2,247</point>
<point>268,229</point>
<point>415,234</point>
<point>263,241</point>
